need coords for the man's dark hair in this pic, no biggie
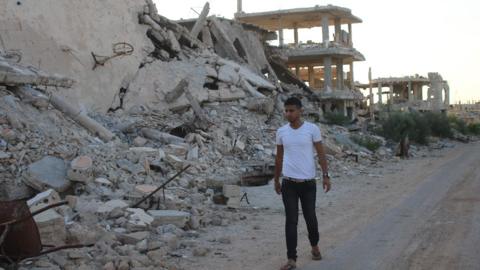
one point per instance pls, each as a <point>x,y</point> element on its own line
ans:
<point>293,101</point>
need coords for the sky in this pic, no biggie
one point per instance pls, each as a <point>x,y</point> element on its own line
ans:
<point>397,38</point>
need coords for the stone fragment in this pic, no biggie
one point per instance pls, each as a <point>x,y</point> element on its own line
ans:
<point>139,141</point>
<point>133,238</point>
<point>227,73</point>
<point>49,172</point>
<point>163,217</point>
<point>107,208</point>
<point>43,199</point>
<point>81,169</point>
<point>139,219</point>
<point>51,227</point>
<point>231,191</point>
<point>200,251</point>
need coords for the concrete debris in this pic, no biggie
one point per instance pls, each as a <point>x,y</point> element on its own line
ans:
<point>164,217</point>
<point>81,169</point>
<point>49,172</point>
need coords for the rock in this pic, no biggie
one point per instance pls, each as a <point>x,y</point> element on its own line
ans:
<point>200,251</point>
<point>163,217</point>
<point>49,172</point>
<point>175,161</point>
<point>192,154</point>
<point>51,226</point>
<point>102,182</point>
<point>224,240</point>
<point>139,219</point>
<point>5,155</point>
<point>139,141</point>
<point>179,150</point>
<point>109,266</point>
<point>227,73</point>
<point>171,240</point>
<point>107,208</point>
<point>43,199</point>
<point>123,265</point>
<point>133,238</point>
<point>231,191</point>
<point>261,105</point>
<point>81,169</point>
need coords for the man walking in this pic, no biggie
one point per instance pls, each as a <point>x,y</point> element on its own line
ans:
<point>295,161</point>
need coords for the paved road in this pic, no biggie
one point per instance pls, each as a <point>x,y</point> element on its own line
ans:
<point>435,227</point>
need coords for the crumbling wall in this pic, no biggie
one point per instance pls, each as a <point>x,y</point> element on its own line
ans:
<point>59,36</point>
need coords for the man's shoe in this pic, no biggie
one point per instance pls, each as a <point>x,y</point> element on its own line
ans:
<point>316,255</point>
<point>291,264</point>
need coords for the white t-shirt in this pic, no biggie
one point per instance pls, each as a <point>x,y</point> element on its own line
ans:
<point>298,150</point>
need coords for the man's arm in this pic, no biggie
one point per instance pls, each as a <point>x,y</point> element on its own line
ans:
<point>322,160</point>
<point>278,168</point>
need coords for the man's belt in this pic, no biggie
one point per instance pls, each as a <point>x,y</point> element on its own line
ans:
<point>297,180</point>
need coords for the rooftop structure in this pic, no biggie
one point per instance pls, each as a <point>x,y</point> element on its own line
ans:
<point>407,92</point>
<point>326,65</point>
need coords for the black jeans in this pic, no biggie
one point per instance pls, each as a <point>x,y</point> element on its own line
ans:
<point>291,193</point>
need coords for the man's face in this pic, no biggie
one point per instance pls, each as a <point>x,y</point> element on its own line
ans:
<point>292,113</point>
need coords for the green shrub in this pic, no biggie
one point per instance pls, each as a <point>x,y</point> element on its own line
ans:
<point>421,128</point>
<point>439,124</point>
<point>337,119</point>
<point>458,124</point>
<point>370,143</point>
<point>474,128</point>
<point>397,125</point>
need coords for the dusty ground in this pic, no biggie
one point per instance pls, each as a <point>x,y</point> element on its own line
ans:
<point>347,213</point>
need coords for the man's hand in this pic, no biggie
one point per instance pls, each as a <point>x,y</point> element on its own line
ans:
<point>326,184</point>
<point>278,187</point>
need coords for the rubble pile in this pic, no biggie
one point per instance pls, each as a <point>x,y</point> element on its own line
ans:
<point>198,101</point>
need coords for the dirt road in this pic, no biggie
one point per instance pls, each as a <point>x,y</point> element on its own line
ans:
<point>435,226</point>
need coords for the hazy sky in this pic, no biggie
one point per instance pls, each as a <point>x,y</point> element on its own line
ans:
<point>397,38</point>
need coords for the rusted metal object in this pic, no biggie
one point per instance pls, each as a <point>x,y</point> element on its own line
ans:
<point>19,236</point>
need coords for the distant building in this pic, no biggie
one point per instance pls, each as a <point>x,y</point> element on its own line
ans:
<point>326,66</point>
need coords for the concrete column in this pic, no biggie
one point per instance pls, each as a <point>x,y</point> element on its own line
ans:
<point>325,32</point>
<point>297,70</point>
<point>380,93</point>
<point>339,73</point>
<point>350,40</point>
<point>446,87</point>
<point>410,94</point>
<point>391,93</point>
<point>344,108</point>
<point>311,76</point>
<point>352,77</point>
<point>239,6</point>
<point>327,71</point>
<point>338,29</point>
<point>295,35</point>
<point>280,37</point>
<point>371,107</point>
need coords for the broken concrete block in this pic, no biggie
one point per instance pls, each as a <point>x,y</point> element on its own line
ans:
<point>164,217</point>
<point>211,72</point>
<point>231,191</point>
<point>43,199</point>
<point>261,105</point>
<point>239,145</point>
<point>102,182</point>
<point>179,150</point>
<point>229,74</point>
<point>233,202</point>
<point>193,153</point>
<point>175,161</point>
<point>81,169</point>
<point>225,95</point>
<point>51,226</point>
<point>108,207</point>
<point>132,238</point>
<point>49,172</point>
<point>139,141</point>
<point>138,218</point>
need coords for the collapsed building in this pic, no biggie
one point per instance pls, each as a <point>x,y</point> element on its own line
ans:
<point>407,93</point>
<point>320,65</point>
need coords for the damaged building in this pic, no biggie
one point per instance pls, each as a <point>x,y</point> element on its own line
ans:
<point>410,93</point>
<point>326,66</point>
